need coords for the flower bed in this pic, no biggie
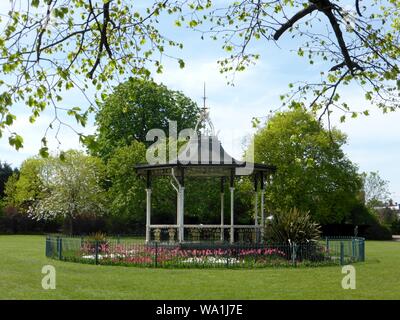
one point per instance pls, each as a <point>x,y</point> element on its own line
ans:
<point>132,253</point>
<point>174,255</point>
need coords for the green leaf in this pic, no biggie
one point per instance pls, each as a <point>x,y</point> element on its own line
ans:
<point>44,152</point>
<point>193,23</point>
<point>35,3</point>
<point>10,119</point>
<point>16,141</point>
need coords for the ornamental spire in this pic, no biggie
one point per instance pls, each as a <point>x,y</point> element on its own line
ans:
<point>204,122</point>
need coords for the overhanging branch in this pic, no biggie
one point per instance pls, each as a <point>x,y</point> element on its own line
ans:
<point>299,15</point>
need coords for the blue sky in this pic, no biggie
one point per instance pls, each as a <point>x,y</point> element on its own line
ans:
<point>373,141</point>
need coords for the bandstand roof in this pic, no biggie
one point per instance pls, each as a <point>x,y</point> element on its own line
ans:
<point>205,156</point>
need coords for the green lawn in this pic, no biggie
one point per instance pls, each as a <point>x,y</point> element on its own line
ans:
<point>22,258</point>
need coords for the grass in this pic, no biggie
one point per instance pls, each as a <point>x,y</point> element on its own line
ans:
<point>22,258</point>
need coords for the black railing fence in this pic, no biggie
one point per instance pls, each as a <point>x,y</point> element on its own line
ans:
<point>135,252</point>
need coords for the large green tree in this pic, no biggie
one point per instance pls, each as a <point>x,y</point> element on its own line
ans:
<point>24,189</point>
<point>313,172</point>
<point>134,108</point>
<point>48,46</point>
<point>126,192</point>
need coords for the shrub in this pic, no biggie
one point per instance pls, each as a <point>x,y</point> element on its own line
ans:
<point>12,221</point>
<point>292,225</point>
<point>98,237</point>
<point>395,227</point>
<point>85,224</point>
<point>377,232</point>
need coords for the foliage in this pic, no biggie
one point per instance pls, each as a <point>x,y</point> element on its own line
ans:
<point>313,174</point>
<point>378,232</point>
<point>13,221</point>
<point>24,189</point>
<point>5,172</point>
<point>395,227</point>
<point>202,200</point>
<point>376,189</point>
<point>127,190</point>
<point>70,187</point>
<point>374,227</point>
<point>387,216</point>
<point>49,46</point>
<point>137,106</point>
<point>292,225</point>
<point>362,215</point>
<point>97,237</point>
<point>357,48</point>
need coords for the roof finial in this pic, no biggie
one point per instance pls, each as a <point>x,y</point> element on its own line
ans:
<point>204,97</point>
<point>204,116</point>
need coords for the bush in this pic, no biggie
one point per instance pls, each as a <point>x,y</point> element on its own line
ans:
<point>86,224</point>
<point>343,230</point>
<point>13,221</point>
<point>292,226</point>
<point>362,215</point>
<point>378,232</point>
<point>97,237</point>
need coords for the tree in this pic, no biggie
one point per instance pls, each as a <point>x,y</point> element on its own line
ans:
<point>5,173</point>
<point>359,47</point>
<point>70,187</point>
<point>24,189</point>
<point>387,216</point>
<point>127,190</point>
<point>376,189</point>
<point>137,106</point>
<point>49,45</point>
<point>313,174</point>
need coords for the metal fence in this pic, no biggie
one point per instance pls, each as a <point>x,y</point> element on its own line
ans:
<point>134,252</point>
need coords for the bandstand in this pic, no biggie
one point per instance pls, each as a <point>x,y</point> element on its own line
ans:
<point>204,156</point>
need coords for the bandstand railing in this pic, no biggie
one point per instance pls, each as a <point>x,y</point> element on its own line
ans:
<point>208,232</point>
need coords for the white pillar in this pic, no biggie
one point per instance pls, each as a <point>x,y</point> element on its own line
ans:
<point>256,229</point>
<point>232,218</point>
<point>256,208</point>
<point>148,214</point>
<point>222,216</point>
<point>262,215</point>
<point>180,213</point>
